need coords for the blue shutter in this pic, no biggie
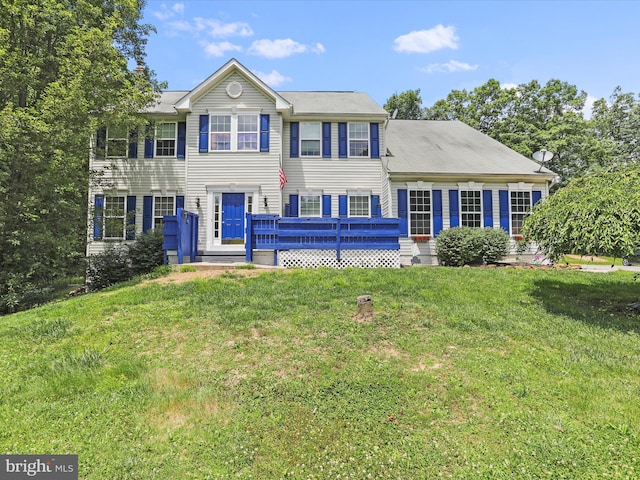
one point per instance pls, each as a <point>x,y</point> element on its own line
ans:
<point>101,142</point>
<point>504,209</point>
<point>133,143</point>
<point>376,208</point>
<point>294,142</point>
<point>487,206</point>
<point>203,134</point>
<point>293,205</point>
<point>437,211</point>
<point>98,213</point>
<point>375,140</point>
<point>148,142</point>
<point>402,212</point>
<point>147,213</point>
<point>342,206</point>
<point>182,139</point>
<point>326,206</point>
<point>326,139</point>
<point>131,218</point>
<point>264,132</point>
<point>454,214</point>
<point>342,140</point>
<point>536,196</point>
<point>179,202</point>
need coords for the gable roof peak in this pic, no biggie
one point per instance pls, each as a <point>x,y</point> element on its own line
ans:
<point>233,65</point>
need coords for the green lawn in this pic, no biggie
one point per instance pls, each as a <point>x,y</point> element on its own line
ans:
<point>462,373</point>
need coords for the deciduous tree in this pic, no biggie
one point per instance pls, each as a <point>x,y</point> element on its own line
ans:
<point>65,68</point>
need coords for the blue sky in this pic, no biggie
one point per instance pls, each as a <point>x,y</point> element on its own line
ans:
<point>386,47</point>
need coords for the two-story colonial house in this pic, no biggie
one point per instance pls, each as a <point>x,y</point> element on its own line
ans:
<point>233,146</point>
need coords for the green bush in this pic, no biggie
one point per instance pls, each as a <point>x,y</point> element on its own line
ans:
<point>108,267</point>
<point>460,246</point>
<point>146,252</point>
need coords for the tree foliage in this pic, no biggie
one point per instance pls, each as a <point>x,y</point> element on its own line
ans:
<point>64,69</point>
<point>598,214</point>
<point>408,105</point>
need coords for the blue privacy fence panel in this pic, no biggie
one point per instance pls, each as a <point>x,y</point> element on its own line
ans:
<point>181,234</point>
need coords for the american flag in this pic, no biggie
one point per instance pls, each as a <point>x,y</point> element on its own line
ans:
<point>283,179</point>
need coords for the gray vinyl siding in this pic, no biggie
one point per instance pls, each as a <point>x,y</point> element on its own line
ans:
<point>137,177</point>
<point>334,176</point>
<point>226,168</point>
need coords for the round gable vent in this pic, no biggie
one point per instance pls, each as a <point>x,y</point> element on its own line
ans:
<point>234,89</point>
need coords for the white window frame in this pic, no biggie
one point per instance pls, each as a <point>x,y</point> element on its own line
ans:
<point>311,137</point>
<point>158,138</point>
<point>412,213</point>
<point>108,215</point>
<point>353,137</point>
<point>475,188</point>
<point>236,128</point>
<point>158,216</point>
<point>519,188</point>
<point>353,194</point>
<point>110,141</point>
<point>306,196</point>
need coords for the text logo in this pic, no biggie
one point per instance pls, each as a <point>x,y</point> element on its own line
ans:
<point>45,467</point>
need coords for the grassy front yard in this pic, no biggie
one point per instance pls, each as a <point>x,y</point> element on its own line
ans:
<point>462,373</point>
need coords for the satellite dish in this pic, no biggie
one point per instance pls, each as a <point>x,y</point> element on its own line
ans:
<point>395,114</point>
<point>541,157</point>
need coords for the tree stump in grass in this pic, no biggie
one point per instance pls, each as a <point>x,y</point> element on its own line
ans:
<point>365,309</point>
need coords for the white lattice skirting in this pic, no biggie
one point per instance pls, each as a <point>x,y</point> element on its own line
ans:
<point>348,258</point>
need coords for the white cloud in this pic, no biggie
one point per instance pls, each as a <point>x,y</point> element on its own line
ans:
<point>218,29</point>
<point>219,49</point>
<point>165,13</point>
<point>282,48</point>
<point>450,66</point>
<point>426,41</point>
<point>273,79</point>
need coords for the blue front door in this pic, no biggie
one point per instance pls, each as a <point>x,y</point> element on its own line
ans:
<point>232,218</point>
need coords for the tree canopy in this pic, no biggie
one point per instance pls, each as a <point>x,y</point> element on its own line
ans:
<point>531,117</point>
<point>408,105</point>
<point>64,69</point>
<point>598,214</point>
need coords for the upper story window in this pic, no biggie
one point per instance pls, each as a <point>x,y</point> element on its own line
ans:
<point>420,212</point>
<point>310,139</point>
<point>165,137</point>
<point>232,132</point>
<point>471,208</point>
<point>114,218</point>
<point>520,206</point>
<point>359,140</point>
<point>162,206</point>
<point>117,142</point>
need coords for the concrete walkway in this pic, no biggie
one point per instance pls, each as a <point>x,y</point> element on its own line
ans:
<point>609,268</point>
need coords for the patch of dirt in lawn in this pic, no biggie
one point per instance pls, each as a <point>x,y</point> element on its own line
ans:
<point>178,277</point>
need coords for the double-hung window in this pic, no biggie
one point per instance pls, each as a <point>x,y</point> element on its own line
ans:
<point>117,142</point>
<point>162,206</point>
<point>359,205</point>
<point>420,212</point>
<point>520,207</point>
<point>310,205</point>
<point>471,208</point>
<point>166,139</point>
<point>114,216</point>
<point>359,140</point>
<point>310,139</point>
<point>234,132</point>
